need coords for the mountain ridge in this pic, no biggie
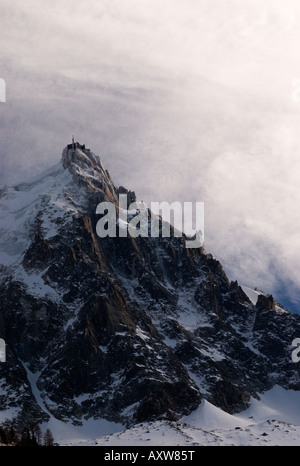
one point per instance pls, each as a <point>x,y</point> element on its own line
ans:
<point>122,329</point>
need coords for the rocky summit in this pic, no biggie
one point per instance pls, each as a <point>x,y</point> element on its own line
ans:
<point>122,329</point>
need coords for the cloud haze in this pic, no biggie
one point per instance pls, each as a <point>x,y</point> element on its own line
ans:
<point>183,100</point>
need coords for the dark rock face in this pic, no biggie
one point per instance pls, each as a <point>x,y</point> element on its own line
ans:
<point>128,329</point>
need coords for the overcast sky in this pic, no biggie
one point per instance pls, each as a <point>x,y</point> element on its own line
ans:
<point>186,100</point>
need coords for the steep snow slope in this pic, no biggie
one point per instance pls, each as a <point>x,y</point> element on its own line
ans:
<point>252,294</point>
<point>272,420</point>
<point>19,206</point>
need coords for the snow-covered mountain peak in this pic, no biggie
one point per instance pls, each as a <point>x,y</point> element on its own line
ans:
<point>73,186</point>
<point>87,170</point>
<point>76,154</point>
<point>20,205</point>
<point>51,199</point>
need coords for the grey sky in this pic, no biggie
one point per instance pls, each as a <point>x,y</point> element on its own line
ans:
<point>183,100</point>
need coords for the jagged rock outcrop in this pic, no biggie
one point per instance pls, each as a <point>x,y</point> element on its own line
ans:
<point>126,329</point>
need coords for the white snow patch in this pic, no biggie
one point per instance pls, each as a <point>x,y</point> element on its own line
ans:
<point>252,294</point>
<point>212,353</point>
<point>189,315</point>
<point>209,417</point>
<point>35,284</point>
<point>277,403</point>
<point>141,334</point>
